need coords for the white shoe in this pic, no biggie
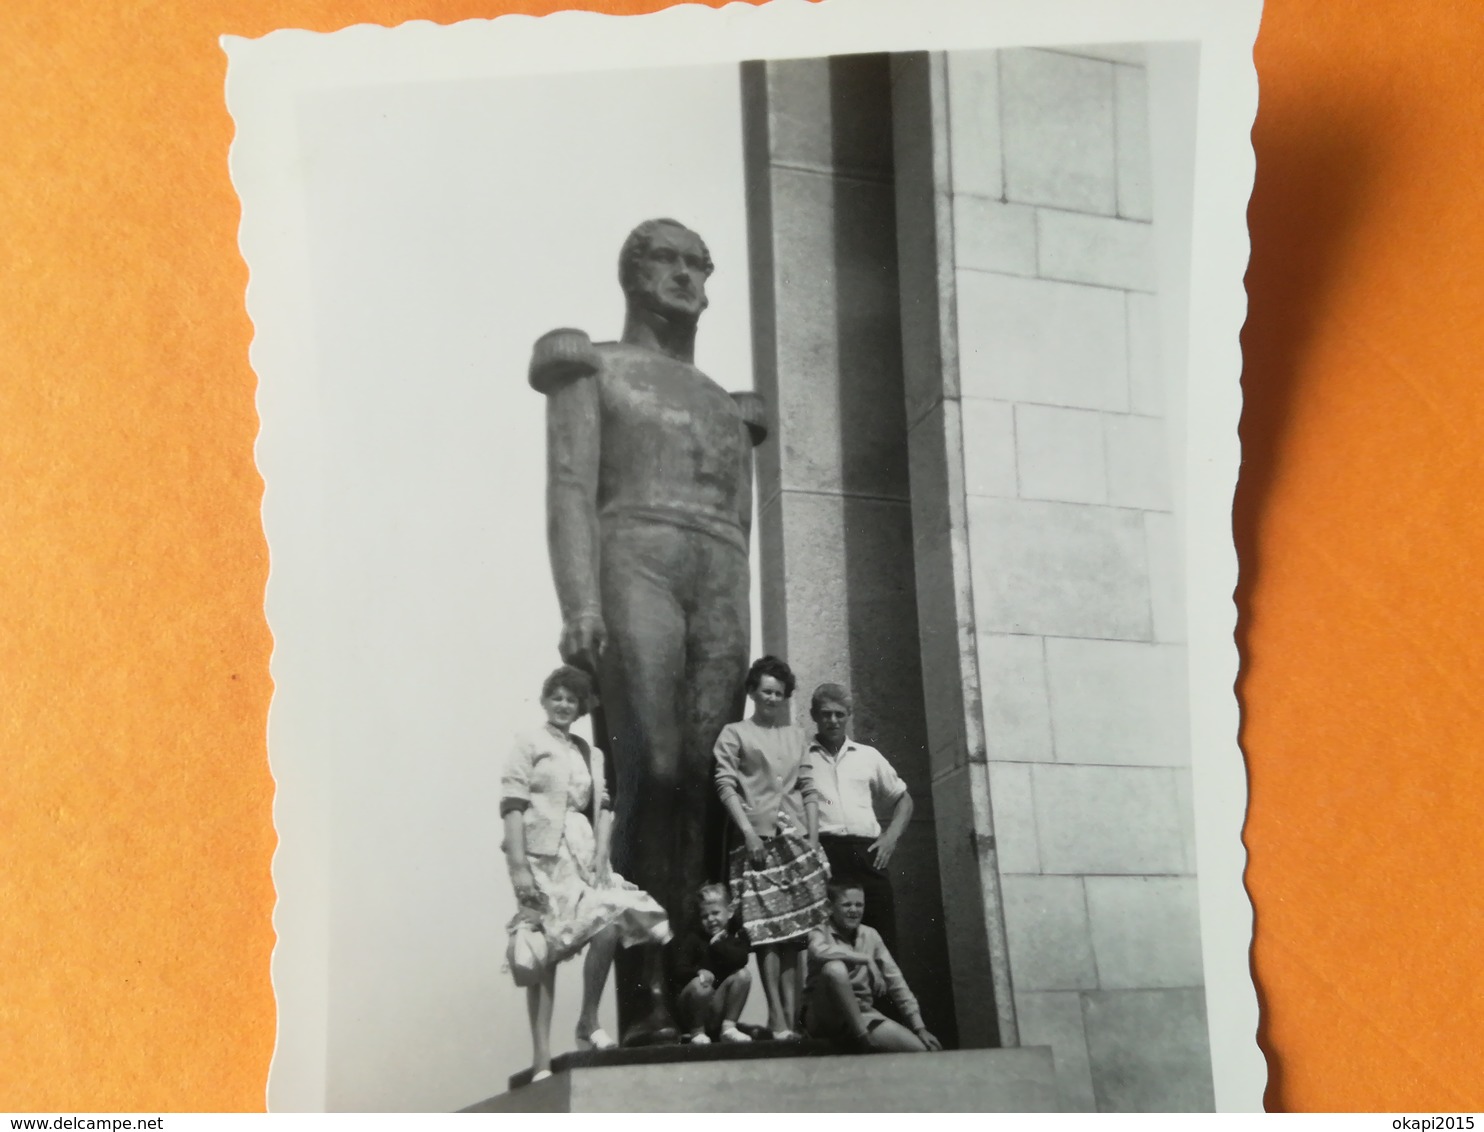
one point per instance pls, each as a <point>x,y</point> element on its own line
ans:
<point>732,1034</point>
<point>699,1038</point>
<point>541,1076</point>
<point>598,1039</point>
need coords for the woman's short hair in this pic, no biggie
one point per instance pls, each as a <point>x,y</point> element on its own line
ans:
<point>771,666</point>
<point>571,679</point>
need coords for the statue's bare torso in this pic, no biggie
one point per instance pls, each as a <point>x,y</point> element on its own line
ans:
<point>674,446</point>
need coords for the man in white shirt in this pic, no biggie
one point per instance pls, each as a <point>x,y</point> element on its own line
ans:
<point>852,780</point>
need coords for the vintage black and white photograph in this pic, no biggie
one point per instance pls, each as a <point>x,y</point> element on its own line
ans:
<point>748,558</point>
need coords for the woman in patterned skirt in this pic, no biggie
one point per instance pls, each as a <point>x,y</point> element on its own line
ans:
<point>558,819</point>
<point>778,873</point>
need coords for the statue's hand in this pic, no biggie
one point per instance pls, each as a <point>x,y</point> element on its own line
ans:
<point>582,641</point>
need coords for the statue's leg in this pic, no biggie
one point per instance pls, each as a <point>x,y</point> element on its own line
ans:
<point>643,667</point>
<point>718,636</point>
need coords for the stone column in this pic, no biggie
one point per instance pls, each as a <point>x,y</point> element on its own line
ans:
<point>967,850</point>
<point>835,520</point>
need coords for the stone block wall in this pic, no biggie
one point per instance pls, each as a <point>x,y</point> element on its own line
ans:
<point>1035,403</point>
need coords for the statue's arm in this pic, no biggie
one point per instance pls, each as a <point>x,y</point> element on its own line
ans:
<point>573,451</point>
<point>745,502</point>
<point>754,413</point>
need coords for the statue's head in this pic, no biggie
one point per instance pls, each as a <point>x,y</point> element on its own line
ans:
<point>663,267</point>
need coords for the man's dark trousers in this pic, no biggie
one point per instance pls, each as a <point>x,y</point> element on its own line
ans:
<point>850,859</point>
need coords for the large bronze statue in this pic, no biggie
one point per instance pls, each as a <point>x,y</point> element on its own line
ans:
<point>649,511</point>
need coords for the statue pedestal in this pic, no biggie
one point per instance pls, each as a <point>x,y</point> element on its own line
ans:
<point>812,1078</point>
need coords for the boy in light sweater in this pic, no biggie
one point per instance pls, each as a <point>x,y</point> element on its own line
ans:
<point>850,970</point>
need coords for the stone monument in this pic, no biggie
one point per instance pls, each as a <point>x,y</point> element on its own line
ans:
<point>649,513</point>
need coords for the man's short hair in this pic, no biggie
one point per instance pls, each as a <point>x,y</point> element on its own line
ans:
<point>638,243</point>
<point>830,694</point>
<point>837,888</point>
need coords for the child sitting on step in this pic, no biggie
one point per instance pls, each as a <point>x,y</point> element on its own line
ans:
<point>708,973</point>
<point>850,972</point>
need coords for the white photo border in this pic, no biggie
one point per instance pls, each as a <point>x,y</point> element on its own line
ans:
<point>267,76</point>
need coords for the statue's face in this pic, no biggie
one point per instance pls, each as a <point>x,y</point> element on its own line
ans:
<point>670,277</point>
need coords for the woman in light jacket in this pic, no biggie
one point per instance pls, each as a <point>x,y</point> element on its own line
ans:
<point>558,820</point>
<point>778,873</point>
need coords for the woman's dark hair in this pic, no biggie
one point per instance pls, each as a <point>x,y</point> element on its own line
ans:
<point>771,666</point>
<point>574,680</point>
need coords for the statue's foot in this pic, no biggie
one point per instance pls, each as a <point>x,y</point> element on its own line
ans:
<point>658,1029</point>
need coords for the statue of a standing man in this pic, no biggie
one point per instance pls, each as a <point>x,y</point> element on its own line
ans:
<point>649,511</point>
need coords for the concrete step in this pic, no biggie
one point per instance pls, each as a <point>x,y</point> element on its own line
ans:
<point>672,1052</point>
<point>707,1079</point>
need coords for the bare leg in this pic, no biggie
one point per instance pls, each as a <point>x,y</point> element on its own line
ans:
<point>539,998</point>
<point>893,1037</point>
<point>770,962</point>
<point>595,967</point>
<point>790,954</point>
<point>694,1007</point>
<point>731,997</point>
<point>841,1010</point>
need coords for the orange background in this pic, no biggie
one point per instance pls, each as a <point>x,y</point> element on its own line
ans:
<point>135,801</point>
